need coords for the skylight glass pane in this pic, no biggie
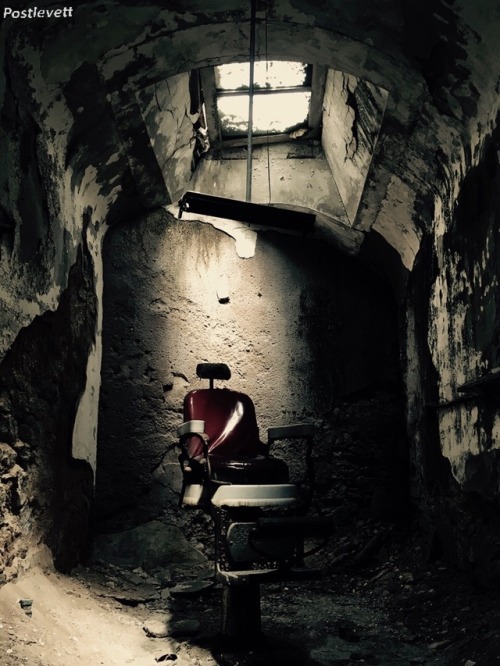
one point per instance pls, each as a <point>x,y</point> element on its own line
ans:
<point>267,74</point>
<point>273,113</point>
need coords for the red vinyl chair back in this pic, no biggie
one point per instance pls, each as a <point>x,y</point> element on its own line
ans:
<point>230,423</point>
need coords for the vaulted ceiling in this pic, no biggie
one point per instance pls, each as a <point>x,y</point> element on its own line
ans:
<point>411,91</point>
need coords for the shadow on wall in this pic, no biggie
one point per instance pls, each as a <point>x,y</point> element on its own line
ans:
<point>300,325</point>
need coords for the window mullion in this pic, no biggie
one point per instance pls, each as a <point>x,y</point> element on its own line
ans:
<point>262,91</point>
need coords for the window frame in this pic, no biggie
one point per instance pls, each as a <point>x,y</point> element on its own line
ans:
<point>316,76</point>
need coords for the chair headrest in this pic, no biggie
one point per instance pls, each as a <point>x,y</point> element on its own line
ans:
<point>213,371</point>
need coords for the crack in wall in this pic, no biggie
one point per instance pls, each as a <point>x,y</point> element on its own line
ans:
<point>352,104</point>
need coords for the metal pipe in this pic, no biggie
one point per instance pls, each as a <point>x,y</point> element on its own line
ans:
<point>250,99</point>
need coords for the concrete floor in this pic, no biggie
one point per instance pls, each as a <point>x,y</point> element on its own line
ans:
<point>385,612</point>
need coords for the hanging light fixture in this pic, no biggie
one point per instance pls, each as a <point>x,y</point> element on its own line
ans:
<point>246,211</point>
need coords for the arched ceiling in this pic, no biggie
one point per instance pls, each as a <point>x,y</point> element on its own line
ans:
<point>437,61</point>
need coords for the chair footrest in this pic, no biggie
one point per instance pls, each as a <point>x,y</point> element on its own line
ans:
<point>272,495</point>
<point>293,526</point>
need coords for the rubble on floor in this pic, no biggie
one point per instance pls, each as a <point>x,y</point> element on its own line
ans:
<point>381,605</point>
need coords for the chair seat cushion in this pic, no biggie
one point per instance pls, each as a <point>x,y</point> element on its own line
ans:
<point>248,470</point>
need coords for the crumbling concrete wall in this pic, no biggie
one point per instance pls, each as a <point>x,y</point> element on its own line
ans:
<point>58,181</point>
<point>46,494</point>
<point>171,113</point>
<point>454,323</point>
<point>352,117</point>
<point>464,334</point>
<point>301,326</point>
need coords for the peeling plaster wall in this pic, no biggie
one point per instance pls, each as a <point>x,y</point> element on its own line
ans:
<point>63,159</point>
<point>453,337</point>
<point>36,248</point>
<point>45,494</point>
<point>84,439</point>
<point>59,178</point>
<point>352,117</point>
<point>304,328</point>
<point>395,220</point>
<point>166,108</point>
<point>465,315</point>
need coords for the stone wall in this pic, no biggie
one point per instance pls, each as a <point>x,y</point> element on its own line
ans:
<point>307,332</point>
<point>46,494</point>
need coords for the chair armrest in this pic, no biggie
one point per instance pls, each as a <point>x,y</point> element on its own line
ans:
<point>195,471</point>
<point>297,431</point>
<point>305,431</point>
<point>191,428</point>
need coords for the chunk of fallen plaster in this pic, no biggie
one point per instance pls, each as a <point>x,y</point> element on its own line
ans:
<point>162,628</point>
<point>157,628</point>
<point>27,606</point>
<point>191,587</point>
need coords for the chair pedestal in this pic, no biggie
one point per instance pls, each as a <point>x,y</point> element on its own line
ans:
<point>241,610</point>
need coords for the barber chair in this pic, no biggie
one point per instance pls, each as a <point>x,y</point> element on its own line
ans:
<point>259,516</point>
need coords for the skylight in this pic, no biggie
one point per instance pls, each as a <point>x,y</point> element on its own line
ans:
<point>267,74</point>
<point>282,95</point>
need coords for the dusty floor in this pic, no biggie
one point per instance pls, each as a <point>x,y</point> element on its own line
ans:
<point>374,606</point>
